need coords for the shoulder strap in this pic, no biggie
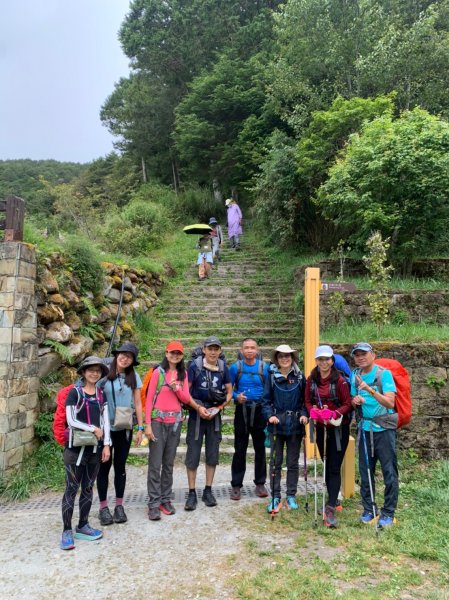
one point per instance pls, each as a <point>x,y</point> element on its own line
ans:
<point>239,372</point>
<point>378,378</point>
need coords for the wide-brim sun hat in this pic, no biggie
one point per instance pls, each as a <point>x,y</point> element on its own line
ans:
<point>285,349</point>
<point>324,352</point>
<point>363,346</point>
<point>174,346</point>
<point>128,347</point>
<point>91,361</point>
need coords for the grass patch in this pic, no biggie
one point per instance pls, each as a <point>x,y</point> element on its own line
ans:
<point>401,284</point>
<point>288,558</point>
<point>402,333</point>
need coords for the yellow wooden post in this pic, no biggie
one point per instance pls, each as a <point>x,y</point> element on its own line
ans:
<point>311,329</point>
<point>348,470</point>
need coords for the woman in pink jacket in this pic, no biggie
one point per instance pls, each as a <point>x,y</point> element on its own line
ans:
<point>167,391</point>
<point>234,223</point>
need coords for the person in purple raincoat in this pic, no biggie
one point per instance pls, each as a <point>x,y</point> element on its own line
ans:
<point>234,223</point>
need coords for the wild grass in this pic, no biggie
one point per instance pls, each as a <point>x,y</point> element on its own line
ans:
<point>402,333</point>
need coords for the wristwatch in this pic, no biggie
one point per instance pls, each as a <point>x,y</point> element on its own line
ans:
<point>140,428</point>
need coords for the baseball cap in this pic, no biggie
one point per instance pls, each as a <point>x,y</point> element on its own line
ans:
<point>363,346</point>
<point>212,341</point>
<point>173,346</point>
<point>325,351</point>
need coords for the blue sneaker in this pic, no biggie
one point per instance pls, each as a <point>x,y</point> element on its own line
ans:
<point>88,533</point>
<point>367,517</point>
<point>274,506</point>
<point>291,503</point>
<point>67,540</point>
<point>385,521</point>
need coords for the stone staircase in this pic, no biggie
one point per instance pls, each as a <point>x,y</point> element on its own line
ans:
<point>244,297</point>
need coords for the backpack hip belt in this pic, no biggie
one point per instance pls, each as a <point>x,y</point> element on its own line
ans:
<point>251,408</point>
<point>155,413</point>
<point>198,421</point>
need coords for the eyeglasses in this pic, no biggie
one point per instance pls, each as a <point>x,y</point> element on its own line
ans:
<point>280,355</point>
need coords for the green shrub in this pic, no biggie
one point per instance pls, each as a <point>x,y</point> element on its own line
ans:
<point>82,259</point>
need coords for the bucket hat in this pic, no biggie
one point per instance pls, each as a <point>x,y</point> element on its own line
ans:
<point>213,221</point>
<point>90,361</point>
<point>285,349</point>
<point>363,346</point>
<point>128,347</point>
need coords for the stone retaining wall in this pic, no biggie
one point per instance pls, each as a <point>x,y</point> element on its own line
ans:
<point>428,366</point>
<point>19,382</point>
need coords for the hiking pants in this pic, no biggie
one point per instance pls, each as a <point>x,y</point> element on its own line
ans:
<point>121,443</point>
<point>242,432</point>
<point>83,475</point>
<point>334,459</point>
<point>161,458</point>
<point>235,241</point>
<point>293,445</point>
<point>385,453</point>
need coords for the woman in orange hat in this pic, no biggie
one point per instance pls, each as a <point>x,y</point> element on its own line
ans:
<point>167,391</point>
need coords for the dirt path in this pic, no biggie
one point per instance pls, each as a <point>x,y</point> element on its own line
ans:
<point>182,556</point>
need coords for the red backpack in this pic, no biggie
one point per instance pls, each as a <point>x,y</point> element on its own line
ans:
<point>60,429</point>
<point>403,400</point>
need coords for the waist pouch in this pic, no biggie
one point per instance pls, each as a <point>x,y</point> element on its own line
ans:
<point>84,438</point>
<point>216,397</point>
<point>123,417</point>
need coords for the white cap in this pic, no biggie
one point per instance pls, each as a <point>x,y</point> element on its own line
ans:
<point>325,351</point>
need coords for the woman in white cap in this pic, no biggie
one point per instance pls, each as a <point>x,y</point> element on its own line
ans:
<point>283,407</point>
<point>122,392</point>
<point>328,402</point>
<point>234,223</point>
<point>85,413</point>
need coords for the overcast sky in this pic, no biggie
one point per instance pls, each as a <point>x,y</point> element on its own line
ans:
<point>59,60</point>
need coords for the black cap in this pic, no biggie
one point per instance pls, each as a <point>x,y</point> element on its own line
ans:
<point>212,341</point>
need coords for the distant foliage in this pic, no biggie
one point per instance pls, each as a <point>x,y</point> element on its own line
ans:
<point>83,260</point>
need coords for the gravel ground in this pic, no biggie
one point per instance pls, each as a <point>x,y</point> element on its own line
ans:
<point>180,556</point>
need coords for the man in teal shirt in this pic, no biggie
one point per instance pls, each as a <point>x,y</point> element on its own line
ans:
<point>373,396</point>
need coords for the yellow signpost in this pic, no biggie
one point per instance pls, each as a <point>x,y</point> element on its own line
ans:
<point>312,288</point>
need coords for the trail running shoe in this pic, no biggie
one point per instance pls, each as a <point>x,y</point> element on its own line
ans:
<point>385,521</point>
<point>119,514</point>
<point>154,514</point>
<point>67,542</point>
<point>367,517</point>
<point>191,502</point>
<point>291,503</point>
<point>167,508</point>
<point>105,516</point>
<point>274,506</point>
<point>329,517</point>
<point>86,532</point>
<point>261,490</point>
<point>208,498</point>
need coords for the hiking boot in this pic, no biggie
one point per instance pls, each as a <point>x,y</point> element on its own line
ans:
<point>154,514</point>
<point>274,506</point>
<point>261,490</point>
<point>367,517</point>
<point>191,502</point>
<point>329,517</point>
<point>236,493</point>
<point>119,514</point>
<point>167,508</point>
<point>291,503</point>
<point>67,542</point>
<point>86,532</point>
<point>208,498</point>
<point>338,506</point>
<point>105,516</point>
<point>386,521</point>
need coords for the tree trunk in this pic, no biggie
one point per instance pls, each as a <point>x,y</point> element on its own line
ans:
<point>144,171</point>
<point>217,192</point>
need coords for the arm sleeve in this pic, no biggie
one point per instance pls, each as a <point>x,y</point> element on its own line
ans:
<point>106,426</point>
<point>72,421</point>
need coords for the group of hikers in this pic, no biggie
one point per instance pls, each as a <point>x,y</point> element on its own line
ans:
<point>211,241</point>
<point>273,400</point>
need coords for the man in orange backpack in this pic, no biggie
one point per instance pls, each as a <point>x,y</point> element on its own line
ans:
<point>373,397</point>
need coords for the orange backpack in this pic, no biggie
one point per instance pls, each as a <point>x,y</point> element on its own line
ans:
<point>403,400</point>
<point>146,383</point>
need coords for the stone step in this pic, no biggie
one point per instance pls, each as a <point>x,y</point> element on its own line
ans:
<point>191,341</point>
<point>225,320</point>
<point>192,328</point>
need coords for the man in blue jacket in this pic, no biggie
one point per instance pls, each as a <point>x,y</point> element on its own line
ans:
<point>248,376</point>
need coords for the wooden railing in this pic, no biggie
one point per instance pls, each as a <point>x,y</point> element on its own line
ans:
<point>12,224</point>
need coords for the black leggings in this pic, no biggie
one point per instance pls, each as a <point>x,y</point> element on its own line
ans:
<point>84,475</point>
<point>334,458</point>
<point>121,443</point>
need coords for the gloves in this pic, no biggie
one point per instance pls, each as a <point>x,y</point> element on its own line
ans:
<point>324,414</point>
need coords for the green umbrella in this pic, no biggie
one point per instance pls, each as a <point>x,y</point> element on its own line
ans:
<point>197,229</point>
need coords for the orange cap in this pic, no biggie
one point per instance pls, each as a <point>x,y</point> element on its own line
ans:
<point>173,346</point>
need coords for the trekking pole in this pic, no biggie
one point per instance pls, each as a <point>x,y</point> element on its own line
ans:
<point>368,468</point>
<point>315,481</point>
<point>324,470</point>
<point>273,471</point>
<point>306,506</point>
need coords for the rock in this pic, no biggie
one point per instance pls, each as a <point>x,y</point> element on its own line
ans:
<point>73,321</point>
<point>67,375</point>
<point>113,296</point>
<point>73,299</point>
<point>59,332</point>
<point>49,313</point>
<point>79,347</point>
<point>127,297</point>
<point>56,299</point>
<point>48,282</point>
<point>128,284</point>
<point>49,363</point>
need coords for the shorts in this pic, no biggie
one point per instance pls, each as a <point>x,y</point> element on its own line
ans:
<point>213,439</point>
